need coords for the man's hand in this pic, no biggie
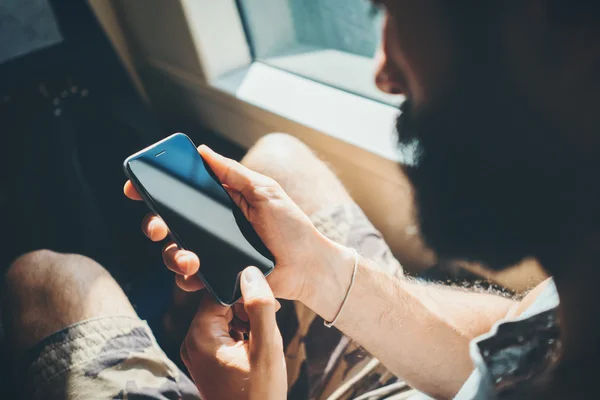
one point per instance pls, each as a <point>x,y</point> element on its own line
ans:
<point>222,364</point>
<point>298,247</point>
<point>394,319</point>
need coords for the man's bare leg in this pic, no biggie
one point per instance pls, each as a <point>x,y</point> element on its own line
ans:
<point>73,334</point>
<point>45,292</point>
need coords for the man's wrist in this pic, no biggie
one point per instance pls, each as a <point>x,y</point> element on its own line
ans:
<point>329,280</point>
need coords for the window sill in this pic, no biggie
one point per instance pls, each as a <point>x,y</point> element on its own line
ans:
<point>359,121</point>
<point>335,68</point>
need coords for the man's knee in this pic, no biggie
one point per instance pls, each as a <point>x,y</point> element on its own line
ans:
<point>275,153</point>
<point>46,291</point>
<point>279,138</point>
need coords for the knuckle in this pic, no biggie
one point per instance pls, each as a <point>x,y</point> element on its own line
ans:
<point>269,190</point>
<point>248,176</point>
<point>272,184</point>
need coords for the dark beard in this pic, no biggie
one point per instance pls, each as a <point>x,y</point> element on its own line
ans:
<point>494,183</point>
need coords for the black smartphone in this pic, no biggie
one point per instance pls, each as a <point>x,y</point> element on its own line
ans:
<point>179,186</point>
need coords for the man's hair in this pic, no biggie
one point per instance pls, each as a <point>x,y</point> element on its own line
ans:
<point>563,13</point>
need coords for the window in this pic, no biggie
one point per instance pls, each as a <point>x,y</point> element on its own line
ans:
<point>329,41</point>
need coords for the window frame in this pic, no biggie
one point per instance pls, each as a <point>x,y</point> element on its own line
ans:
<point>243,99</point>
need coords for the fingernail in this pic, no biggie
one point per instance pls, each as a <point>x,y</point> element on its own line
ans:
<point>253,276</point>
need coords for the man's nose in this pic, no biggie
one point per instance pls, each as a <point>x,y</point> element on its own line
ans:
<point>386,79</point>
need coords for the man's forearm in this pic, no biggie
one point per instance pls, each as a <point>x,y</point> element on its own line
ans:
<point>421,332</point>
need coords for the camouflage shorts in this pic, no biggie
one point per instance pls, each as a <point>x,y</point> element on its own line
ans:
<point>118,357</point>
<point>104,358</point>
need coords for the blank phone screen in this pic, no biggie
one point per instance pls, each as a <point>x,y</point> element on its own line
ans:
<point>200,215</point>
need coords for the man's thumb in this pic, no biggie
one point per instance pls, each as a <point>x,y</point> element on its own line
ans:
<point>260,305</point>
